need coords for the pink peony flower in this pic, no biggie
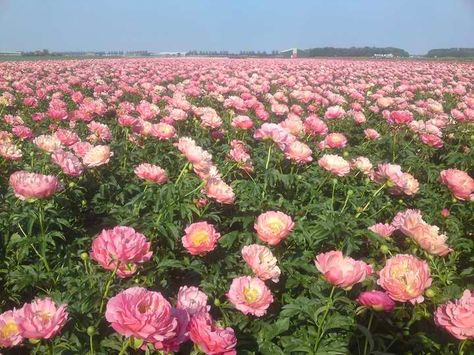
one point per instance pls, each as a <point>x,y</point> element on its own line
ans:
<point>400,117</point>
<point>68,162</point>
<point>217,189</point>
<point>335,164</point>
<point>142,314</point>
<point>333,140</point>
<point>334,112</point>
<point>242,122</point>
<point>383,229</point>
<point>47,143</point>
<point>262,262</point>
<point>371,134</point>
<point>81,148</point>
<point>9,151</point>
<point>362,164</point>
<point>250,295</point>
<point>192,300</point>
<point>200,238</point>
<point>340,270</point>
<point>458,317</point>
<point>66,137</point>
<point>152,173</point>
<point>459,183</point>
<point>162,131</point>
<point>377,300</point>
<point>299,152</point>
<point>315,126</point>
<point>211,339</point>
<point>10,334</point>
<point>97,156</point>
<point>121,248</point>
<point>41,319</point>
<point>28,186</point>
<point>405,278</point>
<point>272,227</point>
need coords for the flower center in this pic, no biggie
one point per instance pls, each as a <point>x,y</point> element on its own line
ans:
<point>275,225</point>
<point>200,237</point>
<point>251,294</point>
<point>9,329</point>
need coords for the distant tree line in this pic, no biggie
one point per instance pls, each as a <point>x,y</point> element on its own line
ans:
<point>352,52</point>
<point>451,52</point>
<point>262,54</point>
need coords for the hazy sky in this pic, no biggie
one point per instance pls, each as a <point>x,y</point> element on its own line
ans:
<point>175,25</point>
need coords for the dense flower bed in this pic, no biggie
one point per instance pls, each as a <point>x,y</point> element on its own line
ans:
<point>236,206</point>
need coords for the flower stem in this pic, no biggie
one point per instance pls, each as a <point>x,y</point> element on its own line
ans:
<point>266,168</point>
<point>370,201</point>
<point>461,346</point>
<point>44,241</point>
<point>323,320</point>
<point>366,343</point>
<point>91,344</point>
<point>183,170</point>
<point>107,287</point>
<point>334,183</point>
<point>125,345</point>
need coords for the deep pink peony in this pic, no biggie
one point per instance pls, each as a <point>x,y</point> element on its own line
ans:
<point>377,300</point>
<point>458,317</point>
<point>28,186</point>
<point>200,238</point>
<point>122,248</point>
<point>272,227</point>
<point>405,278</point>
<point>262,262</point>
<point>250,295</point>
<point>142,314</point>
<point>340,270</point>
<point>211,339</point>
<point>41,319</point>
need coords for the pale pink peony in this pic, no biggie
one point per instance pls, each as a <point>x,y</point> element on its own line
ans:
<point>315,126</point>
<point>152,173</point>
<point>210,338</point>
<point>405,278</point>
<point>162,131</point>
<point>383,229</point>
<point>458,317</point>
<point>333,140</point>
<point>47,143</point>
<point>334,112</point>
<point>262,262</point>
<point>250,295</point>
<point>335,164</point>
<point>97,156</point>
<point>217,189</point>
<point>371,134</point>
<point>10,334</point>
<point>272,227</point>
<point>377,300</point>
<point>66,137</point>
<point>362,164</point>
<point>121,248</point>
<point>340,270</point>
<point>192,300</point>
<point>459,183</point>
<point>69,163</point>
<point>9,151</point>
<point>200,238</point>
<point>81,148</point>
<point>142,314</point>
<point>41,319</point>
<point>299,152</point>
<point>28,186</point>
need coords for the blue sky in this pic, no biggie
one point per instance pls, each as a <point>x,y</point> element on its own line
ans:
<point>173,25</point>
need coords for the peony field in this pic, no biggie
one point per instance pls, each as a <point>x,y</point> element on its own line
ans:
<point>237,206</point>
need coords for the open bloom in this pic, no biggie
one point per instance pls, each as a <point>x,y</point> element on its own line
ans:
<point>377,300</point>
<point>459,183</point>
<point>200,238</point>
<point>383,229</point>
<point>340,270</point>
<point>121,248</point>
<point>272,227</point>
<point>405,278</point>
<point>335,164</point>
<point>210,338</point>
<point>150,172</point>
<point>142,314</point>
<point>10,334</point>
<point>96,156</point>
<point>250,295</point>
<point>41,319</point>
<point>29,186</point>
<point>69,163</point>
<point>299,152</point>
<point>262,262</point>
<point>458,317</point>
<point>192,300</point>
